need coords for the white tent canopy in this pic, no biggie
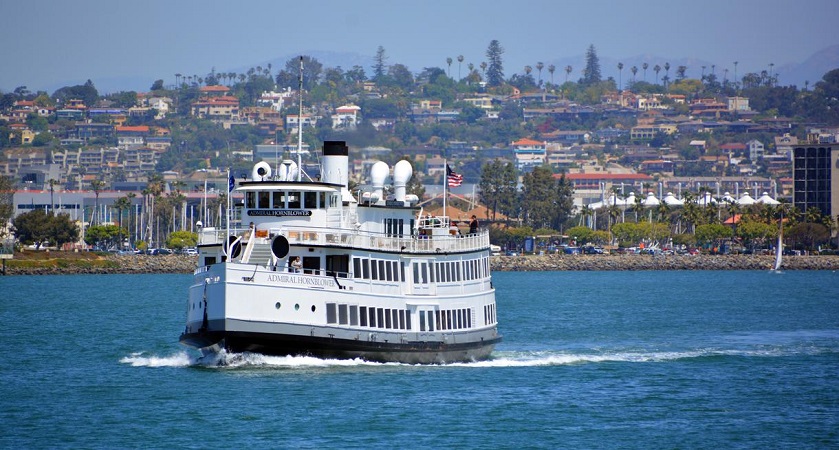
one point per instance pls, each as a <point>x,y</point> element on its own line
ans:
<point>671,200</point>
<point>767,200</point>
<point>727,198</point>
<point>706,200</point>
<point>746,200</point>
<point>651,200</point>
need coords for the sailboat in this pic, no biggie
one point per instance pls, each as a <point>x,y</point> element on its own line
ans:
<point>779,247</point>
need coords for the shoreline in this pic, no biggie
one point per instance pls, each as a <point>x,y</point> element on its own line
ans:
<point>143,264</point>
<point>659,262</point>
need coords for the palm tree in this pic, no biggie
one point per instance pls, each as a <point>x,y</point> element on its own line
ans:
<point>551,70</point>
<point>634,70</point>
<point>656,69</point>
<point>735,74</point>
<point>568,70</point>
<point>666,78</point>
<point>620,76</point>
<point>449,71</point>
<point>539,67</point>
<point>459,62</point>
<point>96,186</point>
<point>483,69</point>
<point>527,70</point>
<point>645,66</point>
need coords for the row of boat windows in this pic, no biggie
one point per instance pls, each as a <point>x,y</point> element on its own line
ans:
<point>423,272</point>
<point>378,269</point>
<point>400,319</point>
<point>489,314</point>
<point>450,271</point>
<point>289,200</point>
<point>354,315</point>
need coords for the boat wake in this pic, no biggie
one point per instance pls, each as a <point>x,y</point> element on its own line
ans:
<point>226,360</point>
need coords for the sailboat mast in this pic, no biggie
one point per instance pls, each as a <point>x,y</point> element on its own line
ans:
<point>300,121</point>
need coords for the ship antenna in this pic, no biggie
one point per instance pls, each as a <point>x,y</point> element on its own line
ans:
<point>300,122</point>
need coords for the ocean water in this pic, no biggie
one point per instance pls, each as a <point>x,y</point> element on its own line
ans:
<point>589,360</point>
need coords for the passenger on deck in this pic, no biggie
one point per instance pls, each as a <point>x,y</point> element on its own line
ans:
<point>473,225</point>
<point>296,265</point>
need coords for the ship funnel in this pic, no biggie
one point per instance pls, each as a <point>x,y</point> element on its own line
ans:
<point>335,163</point>
<point>261,171</point>
<point>287,171</point>
<point>402,173</point>
<point>378,173</point>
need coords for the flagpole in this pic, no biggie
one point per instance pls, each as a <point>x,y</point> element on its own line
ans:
<point>227,214</point>
<point>445,184</point>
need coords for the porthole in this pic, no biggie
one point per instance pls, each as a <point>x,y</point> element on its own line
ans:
<point>296,306</point>
<point>313,308</point>
<point>277,305</point>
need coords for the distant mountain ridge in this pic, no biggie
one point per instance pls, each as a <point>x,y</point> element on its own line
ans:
<point>812,69</point>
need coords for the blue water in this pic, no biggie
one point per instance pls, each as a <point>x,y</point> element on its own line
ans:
<point>589,360</point>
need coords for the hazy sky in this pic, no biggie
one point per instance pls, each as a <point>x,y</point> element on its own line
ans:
<point>48,44</point>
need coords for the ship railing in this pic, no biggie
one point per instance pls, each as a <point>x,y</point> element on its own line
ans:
<point>321,236</point>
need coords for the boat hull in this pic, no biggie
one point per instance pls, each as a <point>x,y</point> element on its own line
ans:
<point>325,347</point>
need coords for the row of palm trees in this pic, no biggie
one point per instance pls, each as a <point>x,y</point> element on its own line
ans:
<point>688,218</point>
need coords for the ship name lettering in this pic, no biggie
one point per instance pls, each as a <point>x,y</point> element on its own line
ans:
<point>299,279</point>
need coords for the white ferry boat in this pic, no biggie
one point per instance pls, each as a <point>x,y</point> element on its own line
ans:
<point>319,272</point>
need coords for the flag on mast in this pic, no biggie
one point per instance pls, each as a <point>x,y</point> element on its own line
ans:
<point>454,179</point>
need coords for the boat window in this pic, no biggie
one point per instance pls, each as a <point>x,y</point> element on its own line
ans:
<point>330,313</point>
<point>422,321</point>
<point>333,201</point>
<point>388,318</point>
<point>389,268</point>
<point>264,200</point>
<point>400,227</point>
<point>382,270</point>
<point>401,319</point>
<point>250,199</point>
<point>363,315</point>
<point>408,319</point>
<point>293,199</point>
<point>366,268</point>
<point>430,320</point>
<point>279,200</point>
<point>468,317</point>
<point>356,267</point>
<point>342,315</point>
<point>374,270</point>
<point>353,315</point>
<point>372,313</point>
<point>310,200</point>
<point>395,316</point>
<point>322,199</point>
<point>448,320</point>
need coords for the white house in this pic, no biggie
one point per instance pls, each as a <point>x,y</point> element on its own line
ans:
<point>756,150</point>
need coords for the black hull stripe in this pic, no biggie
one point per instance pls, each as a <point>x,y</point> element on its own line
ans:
<point>282,345</point>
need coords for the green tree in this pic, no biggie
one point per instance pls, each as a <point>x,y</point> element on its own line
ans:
<point>712,234</point>
<point>104,236</point>
<point>37,227</point>
<point>591,74</point>
<point>497,187</point>
<point>179,240</point>
<point>495,69</point>
<point>379,64</point>
<point>545,200</point>
<point>7,209</point>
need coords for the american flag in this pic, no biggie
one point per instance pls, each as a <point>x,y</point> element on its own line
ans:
<point>455,179</point>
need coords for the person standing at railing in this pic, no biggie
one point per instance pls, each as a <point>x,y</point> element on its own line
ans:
<point>473,225</point>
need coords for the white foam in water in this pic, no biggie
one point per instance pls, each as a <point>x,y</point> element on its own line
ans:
<point>138,359</point>
<point>499,359</point>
